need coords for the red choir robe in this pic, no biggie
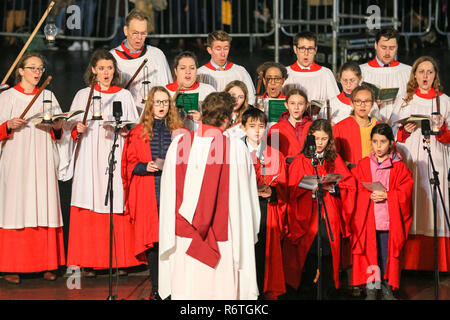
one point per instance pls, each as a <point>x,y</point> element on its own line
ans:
<point>302,216</point>
<point>347,137</point>
<point>287,139</point>
<point>139,193</point>
<point>364,243</point>
<point>275,166</point>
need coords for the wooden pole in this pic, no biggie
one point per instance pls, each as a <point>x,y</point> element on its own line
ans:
<point>28,42</point>
<point>136,73</point>
<point>45,84</point>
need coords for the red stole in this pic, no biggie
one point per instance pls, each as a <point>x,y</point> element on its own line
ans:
<point>228,66</point>
<point>210,222</point>
<point>343,98</point>
<point>19,88</point>
<point>312,68</point>
<point>128,55</point>
<point>374,63</point>
<point>174,86</point>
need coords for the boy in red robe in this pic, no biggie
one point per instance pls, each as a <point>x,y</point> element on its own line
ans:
<point>270,168</point>
<point>288,134</point>
<point>299,247</point>
<point>382,219</point>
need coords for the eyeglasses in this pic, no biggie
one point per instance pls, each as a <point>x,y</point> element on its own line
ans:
<point>34,69</point>
<point>362,102</point>
<point>349,81</point>
<point>158,102</point>
<point>305,49</point>
<point>136,34</point>
<point>274,80</point>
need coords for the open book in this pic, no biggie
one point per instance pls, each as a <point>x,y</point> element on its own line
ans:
<point>38,118</point>
<point>417,118</point>
<point>383,94</point>
<point>373,186</point>
<point>124,123</point>
<point>310,182</point>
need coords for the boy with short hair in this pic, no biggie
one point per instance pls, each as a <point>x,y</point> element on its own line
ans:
<point>218,72</point>
<point>271,177</point>
<point>317,81</point>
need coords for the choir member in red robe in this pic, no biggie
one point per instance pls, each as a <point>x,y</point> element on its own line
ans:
<point>382,218</point>
<point>352,135</point>
<point>143,153</point>
<point>300,245</point>
<point>270,168</point>
<point>288,134</point>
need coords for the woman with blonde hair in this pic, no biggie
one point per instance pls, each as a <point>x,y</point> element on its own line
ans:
<point>142,162</point>
<point>238,90</point>
<point>423,89</point>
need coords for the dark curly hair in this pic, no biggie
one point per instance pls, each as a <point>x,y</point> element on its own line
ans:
<point>330,149</point>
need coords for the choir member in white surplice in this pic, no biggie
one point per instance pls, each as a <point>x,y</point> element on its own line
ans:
<point>186,84</point>
<point>385,71</point>
<point>218,72</point>
<point>209,212</point>
<point>316,81</point>
<point>421,100</point>
<point>133,51</point>
<point>89,216</point>
<point>31,235</point>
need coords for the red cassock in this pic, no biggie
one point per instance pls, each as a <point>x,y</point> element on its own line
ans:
<point>347,137</point>
<point>283,137</point>
<point>275,167</point>
<point>139,193</point>
<point>302,216</point>
<point>364,243</point>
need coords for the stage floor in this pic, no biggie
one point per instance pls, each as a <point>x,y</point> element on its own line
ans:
<point>415,285</point>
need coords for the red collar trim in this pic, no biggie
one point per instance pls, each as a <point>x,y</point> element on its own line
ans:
<point>111,89</point>
<point>343,98</point>
<point>280,96</point>
<point>374,63</point>
<point>128,51</point>
<point>174,86</point>
<point>206,130</point>
<point>431,94</point>
<point>228,66</point>
<point>19,88</point>
<point>314,67</point>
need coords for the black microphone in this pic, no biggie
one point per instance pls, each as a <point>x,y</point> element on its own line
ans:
<point>310,146</point>
<point>426,129</point>
<point>117,110</point>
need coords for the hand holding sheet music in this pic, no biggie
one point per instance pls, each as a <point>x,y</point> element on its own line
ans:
<point>328,181</point>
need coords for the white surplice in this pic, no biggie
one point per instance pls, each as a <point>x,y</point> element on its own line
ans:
<point>220,79</point>
<point>234,277</point>
<point>29,160</point>
<point>90,174</point>
<point>389,77</point>
<point>416,159</point>
<point>159,73</point>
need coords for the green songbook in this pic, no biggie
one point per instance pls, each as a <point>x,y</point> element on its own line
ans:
<point>188,100</point>
<point>276,108</point>
<point>383,94</point>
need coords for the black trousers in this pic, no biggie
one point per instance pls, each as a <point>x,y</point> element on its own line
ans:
<point>152,259</point>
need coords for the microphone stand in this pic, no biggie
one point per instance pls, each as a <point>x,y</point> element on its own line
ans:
<point>110,195</point>
<point>320,203</point>
<point>434,182</point>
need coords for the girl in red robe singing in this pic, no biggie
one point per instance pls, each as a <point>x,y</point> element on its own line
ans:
<point>142,158</point>
<point>288,134</point>
<point>300,248</point>
<point>382,218</point>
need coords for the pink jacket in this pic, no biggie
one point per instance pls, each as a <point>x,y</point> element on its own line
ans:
<point>380,173</point>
